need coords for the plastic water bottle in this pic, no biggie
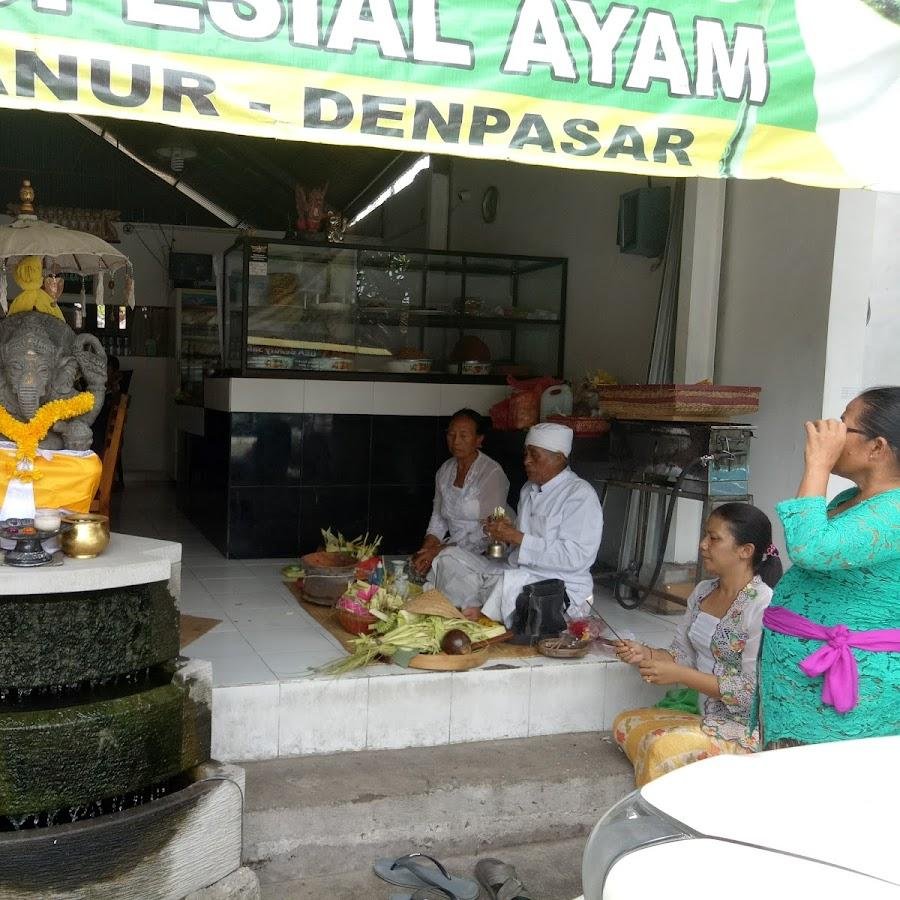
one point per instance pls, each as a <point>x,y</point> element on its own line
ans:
<point>401,581</point>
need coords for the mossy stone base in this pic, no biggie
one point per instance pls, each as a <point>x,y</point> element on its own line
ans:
<point>50,639</point>
<point>60,757</point>
<point>164,849</point>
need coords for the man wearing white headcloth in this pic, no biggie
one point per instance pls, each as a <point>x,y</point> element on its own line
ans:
<point>556,535</point>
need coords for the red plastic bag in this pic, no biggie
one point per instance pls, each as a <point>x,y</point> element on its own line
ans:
<point>522,408</point>
<point>500,415</point>
<point>532,385</point>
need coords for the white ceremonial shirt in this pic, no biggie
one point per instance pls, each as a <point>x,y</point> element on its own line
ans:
<point>562,522</point>
<point>460,511</point>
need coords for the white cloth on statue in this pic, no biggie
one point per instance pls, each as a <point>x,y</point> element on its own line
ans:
<point>562,522</point>
<point>458,512</point>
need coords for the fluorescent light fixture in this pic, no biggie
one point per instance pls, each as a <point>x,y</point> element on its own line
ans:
<point>402,182</point>
<point>229,219</point>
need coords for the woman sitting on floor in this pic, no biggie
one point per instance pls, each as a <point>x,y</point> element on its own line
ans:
<point>467,489</point>
<point>714,652</point>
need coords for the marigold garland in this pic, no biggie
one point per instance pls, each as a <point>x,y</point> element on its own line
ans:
<point>27,435</point>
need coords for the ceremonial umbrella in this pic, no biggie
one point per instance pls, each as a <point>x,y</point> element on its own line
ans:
<point>66,251</point>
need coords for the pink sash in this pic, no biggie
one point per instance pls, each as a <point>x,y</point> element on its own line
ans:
<point>840,686</point>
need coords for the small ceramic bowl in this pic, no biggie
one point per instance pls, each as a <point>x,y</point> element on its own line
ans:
<point>47,519</point>
<point>412,366</point>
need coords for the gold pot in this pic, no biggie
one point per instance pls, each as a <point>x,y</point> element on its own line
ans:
<point>84,535</point>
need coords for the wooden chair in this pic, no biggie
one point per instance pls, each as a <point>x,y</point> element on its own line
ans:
<point>112,447</point>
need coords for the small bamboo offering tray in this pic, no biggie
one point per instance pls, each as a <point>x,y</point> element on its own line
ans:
<point>563,648</point>
<point>446,662</point>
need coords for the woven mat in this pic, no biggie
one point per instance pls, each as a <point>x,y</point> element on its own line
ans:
<point>327,618</point>
<point>193,627</point>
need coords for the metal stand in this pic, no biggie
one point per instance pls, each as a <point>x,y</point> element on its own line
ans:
<point>670,460</point>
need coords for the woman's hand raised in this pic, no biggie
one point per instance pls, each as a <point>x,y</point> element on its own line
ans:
<point>825,441</point>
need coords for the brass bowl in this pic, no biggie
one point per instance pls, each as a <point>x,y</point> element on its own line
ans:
<point>84,535</point>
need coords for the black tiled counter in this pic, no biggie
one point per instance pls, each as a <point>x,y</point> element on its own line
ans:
<point>263,484</point>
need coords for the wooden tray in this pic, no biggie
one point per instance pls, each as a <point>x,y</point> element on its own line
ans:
<point>500,639</point>
<point>444,662</point>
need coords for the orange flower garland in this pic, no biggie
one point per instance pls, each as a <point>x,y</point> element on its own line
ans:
<point>27,435</point>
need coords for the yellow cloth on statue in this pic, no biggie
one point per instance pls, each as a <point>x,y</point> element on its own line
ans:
<point>38,301</point>
<point>67,480</point>
<point>29,276</point>
<point>660,740</point>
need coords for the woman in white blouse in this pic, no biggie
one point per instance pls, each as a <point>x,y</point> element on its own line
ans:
<point>714,652</point>
<point>467,489</point>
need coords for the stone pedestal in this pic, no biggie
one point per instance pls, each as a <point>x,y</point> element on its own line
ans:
<point>105,789</point>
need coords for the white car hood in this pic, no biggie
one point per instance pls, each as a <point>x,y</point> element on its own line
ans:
<point>836,802</point>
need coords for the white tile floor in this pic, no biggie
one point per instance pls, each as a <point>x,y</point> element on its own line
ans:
<point>265,705</point>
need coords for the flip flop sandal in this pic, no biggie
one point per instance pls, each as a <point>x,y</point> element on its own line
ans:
<point>428,893</point>
<point>407,872</point>
<point>500,880</point>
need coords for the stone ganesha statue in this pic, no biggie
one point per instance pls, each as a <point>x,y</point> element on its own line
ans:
<point>41,359</point>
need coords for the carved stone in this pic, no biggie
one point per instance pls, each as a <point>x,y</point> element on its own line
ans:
<point>42,359</point>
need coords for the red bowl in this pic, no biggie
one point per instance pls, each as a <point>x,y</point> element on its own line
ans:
<point>365,568</point>
<point>355,623</point>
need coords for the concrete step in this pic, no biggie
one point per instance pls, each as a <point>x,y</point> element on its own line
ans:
<point>550,871</point>
<point>326,815</point>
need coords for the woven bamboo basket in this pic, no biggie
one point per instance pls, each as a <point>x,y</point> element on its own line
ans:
<point>563,648</point>
<point>678,401</point>
<point>583,426</point>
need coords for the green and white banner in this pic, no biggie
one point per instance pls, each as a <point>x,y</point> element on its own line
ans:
<point>804,90</point>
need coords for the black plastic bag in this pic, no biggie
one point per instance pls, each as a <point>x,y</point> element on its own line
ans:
<point>539,613</point>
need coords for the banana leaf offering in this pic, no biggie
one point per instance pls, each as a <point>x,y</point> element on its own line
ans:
<point>403,632</point>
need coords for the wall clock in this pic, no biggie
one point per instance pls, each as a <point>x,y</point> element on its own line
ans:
<point>489,203</point>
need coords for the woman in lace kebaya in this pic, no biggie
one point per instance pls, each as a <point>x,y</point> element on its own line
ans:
<point>830,661</point>
<point>714,652</point>
<point>468,487</point>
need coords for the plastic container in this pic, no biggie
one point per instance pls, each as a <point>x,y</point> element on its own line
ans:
<point>401,580</point>
<point>556,401</point>
<point>47,519</point>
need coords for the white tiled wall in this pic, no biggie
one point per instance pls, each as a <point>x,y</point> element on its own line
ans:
<point>413,711</point>
<point>277,395</point>
<point>489,705</point>
<point>379,398</point>
<point>338,397</point>
<point>305,716</point>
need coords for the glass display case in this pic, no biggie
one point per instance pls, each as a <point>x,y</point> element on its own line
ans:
<point>198,349</point>
<point>362,311</point>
